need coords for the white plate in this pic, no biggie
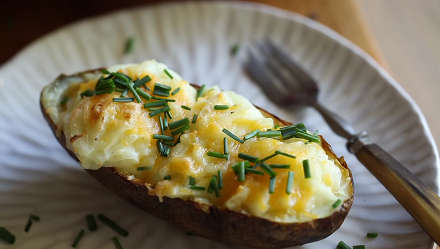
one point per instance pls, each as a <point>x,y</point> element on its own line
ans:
<point>38,177</point>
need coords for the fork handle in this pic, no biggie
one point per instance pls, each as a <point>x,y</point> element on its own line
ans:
<point>336,123</point>
<point>421,202</point>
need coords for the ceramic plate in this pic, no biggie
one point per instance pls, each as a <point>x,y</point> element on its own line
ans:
<point>38,177</point>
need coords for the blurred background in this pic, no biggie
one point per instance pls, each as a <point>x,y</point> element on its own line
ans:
<point>402,35</point>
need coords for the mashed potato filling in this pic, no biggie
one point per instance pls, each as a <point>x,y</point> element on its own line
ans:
<point>105,133</point>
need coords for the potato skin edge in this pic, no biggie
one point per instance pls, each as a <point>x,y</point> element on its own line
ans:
<point>214,222</point>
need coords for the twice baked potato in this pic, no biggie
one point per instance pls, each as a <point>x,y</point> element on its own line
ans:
<point>205,160</point>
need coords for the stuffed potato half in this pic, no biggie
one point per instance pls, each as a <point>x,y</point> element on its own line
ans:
<point>228,171</point>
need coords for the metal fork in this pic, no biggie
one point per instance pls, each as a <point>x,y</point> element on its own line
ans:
<point>286,83</point>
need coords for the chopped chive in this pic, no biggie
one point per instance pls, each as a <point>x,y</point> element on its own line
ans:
<point>165,152</point>
<point>163,137</point>
<point>162,126</point>
<point>359,247</point>
<point>155,103</point>
<point>186,107</point>
<point>113,225</point>
<point>216,154</point>
<point>141,82</point>
<point>146,87</point>
<point>215,185</point>
<point>125,93</point>
<point>289,184</point>
<point>269,134</point>
<point>153,109</point>
<point>167,100</point>
<point>28,225</point>
<point>175,91</point>
<point>200,91</point>
<point>167,177</point>
<point>143,94</point>
<point>254,171</point>
<point>165,121</point>
<point>306,167</point>
<point>192,180</point>
<point>162,86</point>
<point>161,110</point>
<point>125,78</point>
<point>241,172</point>
<point>180,130</point>
<point>168,73</point>
<point>194,118</point>
<point>342,245</point>
<point>91,223</point>
<point>284,154</point>
<point>78,238</point>
<point>117,244</point>
<point>123,99</point>
<point>233,136</point>
<point>220,179</point>
<point>272,182</point>
<point>135,94</point>
<point>7,236</point>
<point>371,235</point>
<point>267,169</point>
<point>276,126</point>
<point>168,113</point>
<point>225,146</point>
<point>337,203</point>
<point>279,166</point>
<point>305,135</point>
<point>64,100</point>
<point>251,135</point>
<point>248,157</point>
<point>168,143</point>
<point>234,49</point>
<point>119,90</point>
<point>268,157</point>
<point>105,71</point>
<point>129,45</point>
<point>221,107</point>
<point>210,187</point>
<point>178,123</point>
<point>34,217</point>
<point>87,93</point>
<point>142,168</point>
<point>161,90</point>
<point>197,187</point>
<point>316,133</point>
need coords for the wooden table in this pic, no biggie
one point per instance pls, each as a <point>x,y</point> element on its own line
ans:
<point>22,22</point>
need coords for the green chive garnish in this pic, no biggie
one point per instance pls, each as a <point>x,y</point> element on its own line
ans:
<point>165,122</point>
<point>123,99</point>
<point>186,107</point>
<point>180,130</point>
<point>234,49</point>
<point>64,100</point>
<point>251,135</point>
<point>105,71</point>
<point>28,225</point>
<point>342,245</point>
<point>142,81</point>
<point>78,238</point>
<point>272,182</point>
<point>200,91</point>
<point>197,187</point>
<point>279,166</point>
<point>306,167</point>
<point>216,154</point>
<point>221,107</point>
<point>284,154</point>
<point>7,236</point>
<point>112,225</point>
<point>119,90</point>
<point>161,110</point>
<point>125,93</point>
<point>129,45</point>
<point>276,126</point>
<point>230,134</point>
<point>215,185</point>
<point>91,223</point>
<point>267,169</point>
<point>220,179</point>
<point>289,185</point>
<point>194,118</point>
<point>135,94</point>
<point>248,157</point>
<point>168,73</point>
<point>168,143</point>
<point>163,137</point>
<point>316,133</point>
<point>162,126</point>
<point>371,235</point>
<point>359,247</point>
<point>143,94</point>
<point>192,180</point>
<point>117,244</point>
<point>241,172</point>
<point>161,90</point>
<point>87,93</point>
<point>169,115</point>
<point>175,91</point>
<point>225,146</point>
<point>142,168</point>
<point>337,203</point>
<point>254,171</point>
<point>167,177</point>
<point>167,100</point>
<point>268,157</point>
<point>178,123</point>
<point>269,134</point>
<point>155,104</point>
<point>34,217</point>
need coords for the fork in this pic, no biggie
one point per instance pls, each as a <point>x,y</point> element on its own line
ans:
<point>286,83</point>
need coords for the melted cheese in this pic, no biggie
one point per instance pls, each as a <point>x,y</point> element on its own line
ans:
<point>103,133</point>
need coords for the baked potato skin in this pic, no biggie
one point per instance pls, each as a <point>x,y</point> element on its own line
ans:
<point>214,222</point>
